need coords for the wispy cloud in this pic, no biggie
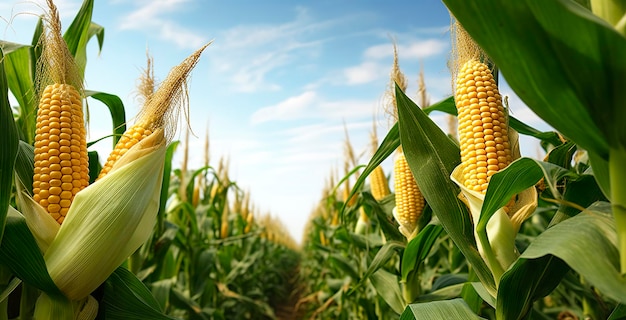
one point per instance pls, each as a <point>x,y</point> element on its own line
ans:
<point>152,16</point>
<point>376,59</point>
<point>247,54</point>
<point>415,49</point>
<point>311,105</point>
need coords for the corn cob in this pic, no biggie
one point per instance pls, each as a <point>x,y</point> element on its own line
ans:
<point>483,125</point>
<point>409,200</point>
<point>379,184</point>
<point>157,110</point>
<point>61,161</point>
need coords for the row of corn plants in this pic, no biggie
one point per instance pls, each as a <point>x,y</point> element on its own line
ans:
<point>498,235</point>
<point>133,238</point>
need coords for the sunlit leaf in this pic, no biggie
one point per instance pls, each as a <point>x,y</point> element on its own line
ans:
<point>436,310</point>
<point>432,156</point>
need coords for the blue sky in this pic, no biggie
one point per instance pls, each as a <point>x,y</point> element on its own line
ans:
<point>277,84</point>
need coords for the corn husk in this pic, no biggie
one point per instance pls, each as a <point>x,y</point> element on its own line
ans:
<point>503,226</point>
<point>108,220</point>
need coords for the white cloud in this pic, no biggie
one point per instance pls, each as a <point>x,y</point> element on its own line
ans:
<point>376,59</point>
<point>151,16</point>
<point>248,54</point>
<point>364,73</point>
<point>415,49</point>
<point>309,105</point>
<point>291,108</point>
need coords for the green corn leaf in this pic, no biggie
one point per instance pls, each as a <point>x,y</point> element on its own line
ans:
<point>386,285</point>
<point>167,173</point>
<point>446,105</point>
<point>24,166</point>
<point>343,264</point>
<point>618,313</point>
<point>517,177</point>
<point>572,240</point>
<point>525,282</point>
<point>116,108</point>
<point>392,142</point>
<point>565,63</point>
<point>417,250</point>
<point>18,66</point>
<point>382,257</point>
<point>432,156</point>
<point>94,166</point>
<point>436,310</point>
<point>80,32</point>
<point>19,252</point>
<point>8,147</point>
<point>125,297</point>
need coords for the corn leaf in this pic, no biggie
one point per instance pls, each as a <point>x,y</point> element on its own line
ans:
<point>436,310</point>
<point>432,156</point>
<point>116,108</point>
<point>125,297</point>
<point>387,287</point>
<point>165,187</point>
<point>80,32</point>
<point>572,240</point>
<point>8,147</point>
<point>18,67</point>
<point>417,250</point>
<point>618,313</point>
<point>517,177</point>
<point>94,166</point>
<point>446,105</point>
<point>386,148</point>
<point>525,282</point>
<point>382,257</point>
<point>24,166</point>
<point>19,252</point>
<point>565,63</point>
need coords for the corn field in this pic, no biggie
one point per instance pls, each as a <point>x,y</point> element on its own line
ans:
<point>463,227</point>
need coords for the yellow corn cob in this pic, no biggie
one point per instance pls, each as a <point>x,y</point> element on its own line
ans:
<point>379,184</point>
<point>159,111</point>
<point>130,138</point>
<point>61,161</point>
<point>409,200</point>
<point>483,125</point>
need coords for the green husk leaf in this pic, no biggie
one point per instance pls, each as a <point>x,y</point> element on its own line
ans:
<point>116,214</point>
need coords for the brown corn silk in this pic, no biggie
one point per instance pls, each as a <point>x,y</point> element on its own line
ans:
<point>160,110</point>
<point>61,162</point>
